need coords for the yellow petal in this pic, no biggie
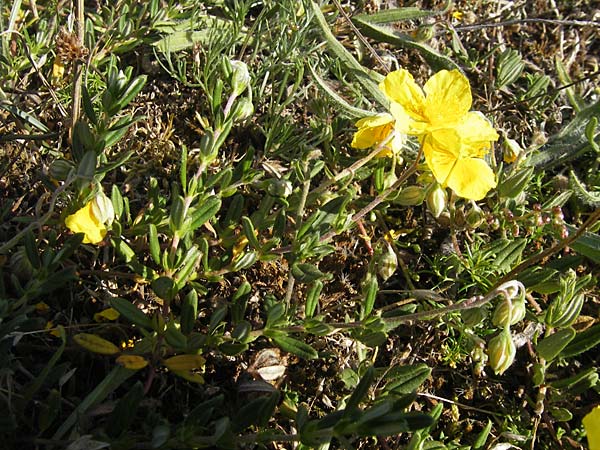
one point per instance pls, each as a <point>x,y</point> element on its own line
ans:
<point>400,87</point>
<point>372,131</point>
<point>84,221</point>
<point>405,124</point>
<point>591,423</point>
<point>471,178</point>
<point>448,98</point>
<point>452,166</point>
<point>476,133</point>
<point>441,151</point>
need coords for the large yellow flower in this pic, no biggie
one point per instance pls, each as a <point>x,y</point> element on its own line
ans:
<point>85,221</point>
<point>374,130</point>
<point>591,423</point>
<point>454,139</point>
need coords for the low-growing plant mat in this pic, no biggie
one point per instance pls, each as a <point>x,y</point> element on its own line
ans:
<point>299,224</point>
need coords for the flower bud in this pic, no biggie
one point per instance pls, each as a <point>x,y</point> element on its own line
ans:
<point>436,201</point>
<point>411,196</point>
<point>240,77</point>
<point>512,150</point>
<point>501,352</point>
<point>475,217</point>
<point>243,109</point>
<point>102,208</point>
<point>387,263</point>
<point>508,313</point>
<point>60,169</point>
<point>279,188</point>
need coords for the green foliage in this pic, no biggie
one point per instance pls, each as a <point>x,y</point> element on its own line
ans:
<point>268,283</point>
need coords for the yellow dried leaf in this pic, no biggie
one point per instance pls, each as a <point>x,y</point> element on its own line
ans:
<point>107,314</point>
<point>184,362</point>
<point>190,376</point>
<point>96,344</point>
<point>133,362</point>
<point>42,307</point>
<point>58,71</point>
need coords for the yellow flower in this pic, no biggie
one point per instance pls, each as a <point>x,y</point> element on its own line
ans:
<point>458,15</point>
<point>455,160</point>
<point>591,423</point>
<point>454,139</point>
<point>374,130</point>
<point>85,221</point>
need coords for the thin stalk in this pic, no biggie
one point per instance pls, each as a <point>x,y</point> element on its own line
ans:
<point>78,68</point>
<point>291,281</point>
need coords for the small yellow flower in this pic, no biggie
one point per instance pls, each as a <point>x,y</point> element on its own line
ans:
<point>591,423</point>
<point>85,221</point>
<point>458,15</point>
<point>52,329</point>
<point>455,140</point>
<point>374,130</point>
<point>458,164</point>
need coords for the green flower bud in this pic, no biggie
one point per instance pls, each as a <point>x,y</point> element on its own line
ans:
<point>436,201</point>
<point>425,33</point>
<point>243,109</point>
<point>240,77</point>
<point>387,263</point>
<point>508,313</point>
<point>279,188</point>
<point>60,169</point>
<point>501,352</point>
<point>102,209</point>
<point>475,217</point>
<point>411,196</point>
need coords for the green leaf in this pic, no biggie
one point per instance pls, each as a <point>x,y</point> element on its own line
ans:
<point>244,260</point>
<point>406,379</point>
<point>363,76</point>
<point>190,262</point>
<point>165,288</point>
<point>512,186</point>
<point>307,273</point>
<point>312,297</point>
<point>189,312</point>
<point>131,312</point>
<point>390,36</point>
<point>291,345</point>
<point>124,413</point>
<point>112,381</point>
<point>132,90</point>
<point>582,342</point>
<point>176,217</point>
<point>569,144</point>
<point>88,107</point>
<point>588,244</point>
<point>360,392</point>
<point>153,243</point>
<point>87,166</point>
<point>250,232</point>
<point>510,254</point>
<point>482,437</point>
<point>549,347</point>
<point>509,67</point>
<point>590,198</point>
<point>399,14</point>
<point>205,212</point>
<point>344,107</point>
